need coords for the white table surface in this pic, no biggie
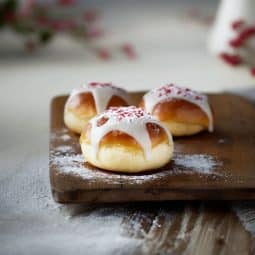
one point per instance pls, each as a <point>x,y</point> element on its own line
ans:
<point>171,48</point>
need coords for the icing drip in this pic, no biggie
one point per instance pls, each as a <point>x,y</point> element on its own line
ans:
<point>102,94</point>
<point>171,91</point>
<point>130,120</point>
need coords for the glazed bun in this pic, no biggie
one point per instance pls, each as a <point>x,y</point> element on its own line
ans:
<point>182,110</point>
<point>126,139</point>
<point>86,102</point>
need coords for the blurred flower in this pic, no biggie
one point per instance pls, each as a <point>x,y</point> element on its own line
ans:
<point>104,54</point>
<point>90,16</point>
<point>95,33</point>
<point>129,50</point>
<point>39,21</point>
<point>42,21</point>
<point>253,71</point>
<point>30,45</point>
<point>241,46</point>
<point>66,2</point>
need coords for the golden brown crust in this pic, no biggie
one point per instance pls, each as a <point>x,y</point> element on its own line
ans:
<point>83,104</point>
<point>118,151</point>
<point>116,101</point>
<point>180,111</point>
<point>157,135</point>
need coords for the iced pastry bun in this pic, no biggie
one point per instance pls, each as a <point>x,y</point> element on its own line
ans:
<point>182,110</point>
<point>86,102</point>
<point>126,139</point>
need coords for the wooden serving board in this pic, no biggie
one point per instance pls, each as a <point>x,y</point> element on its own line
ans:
<point>219,165</point>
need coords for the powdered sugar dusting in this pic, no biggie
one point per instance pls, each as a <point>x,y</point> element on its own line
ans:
<point>246,213</point>
<point>61,135</point>
<point>199,163</point>
<point>66,161</point>
<point>30,219</point>
<point>65,137</point>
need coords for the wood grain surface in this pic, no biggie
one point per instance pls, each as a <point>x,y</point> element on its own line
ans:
<point>188,228</point>
<point>230,150</point>
<point>177,227</point>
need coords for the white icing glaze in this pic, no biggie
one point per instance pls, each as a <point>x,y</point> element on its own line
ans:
<point>171,91</point>
<point>130,120</point>
<point>102,94</point>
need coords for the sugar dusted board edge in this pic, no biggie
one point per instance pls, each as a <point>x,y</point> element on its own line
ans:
<point>238,182</point>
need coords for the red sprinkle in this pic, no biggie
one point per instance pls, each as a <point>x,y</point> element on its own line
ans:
<point>233,60</point>
<point>127,112</point>
<point>198,98</point>
<point>164,90</point>
<point>172,90</point>
<point>105,85</point>
<point>100,84</point>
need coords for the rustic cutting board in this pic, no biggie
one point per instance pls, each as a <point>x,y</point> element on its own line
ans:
<point>219,165</point>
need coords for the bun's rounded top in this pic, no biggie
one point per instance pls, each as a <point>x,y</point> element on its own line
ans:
<point>102,93</point>
<point>130,120</point>
<point>170,91</point>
